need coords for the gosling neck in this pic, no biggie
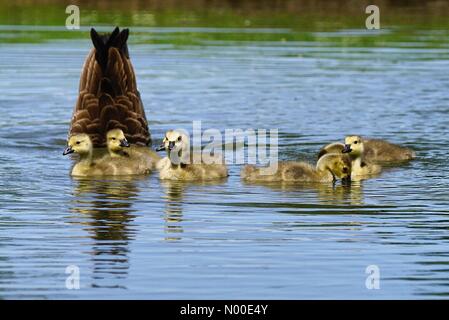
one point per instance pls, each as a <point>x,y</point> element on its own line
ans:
<point>356,159</point>
<point>118,153</point>
<point>179,165</point>
<point>86,157</point>
<point>179,161</point>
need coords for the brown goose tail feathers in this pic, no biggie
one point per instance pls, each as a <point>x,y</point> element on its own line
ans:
<point>102,43</point>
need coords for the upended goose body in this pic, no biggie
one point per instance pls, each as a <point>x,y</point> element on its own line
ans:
<point>179,163</point>
<point>109,99</point>
<point>375,150</point>
<point>108,95</point>
<point>329,168</point>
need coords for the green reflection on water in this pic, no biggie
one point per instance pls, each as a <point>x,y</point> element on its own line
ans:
<point>400,25</point>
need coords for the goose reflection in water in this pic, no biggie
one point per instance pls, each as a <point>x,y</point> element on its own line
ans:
<point>174,199</point>
<point>327,194</point>
<point>108,207</point>
<point>342,194</point>
<point>174,195</point>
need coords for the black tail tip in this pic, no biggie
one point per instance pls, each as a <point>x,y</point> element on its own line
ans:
<point>102,43</point>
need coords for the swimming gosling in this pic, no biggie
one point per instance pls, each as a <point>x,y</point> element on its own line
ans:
<point>375,150</point>
<point>178,165</point>
<point>117,143</point>
<point>90,165</point>
<point>130,155</point>
<point>329,168</point>
<point>82,145</point>
<point>355,148</point>
<point>384,151</point>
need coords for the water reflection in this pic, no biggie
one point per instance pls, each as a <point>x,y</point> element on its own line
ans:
<point>108,207</point>
<point>174,196</point>
<point>342,194</point>
<point>326,193</point>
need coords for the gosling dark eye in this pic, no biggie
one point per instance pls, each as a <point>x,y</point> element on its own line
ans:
<point>345,170</point>
<point>78,142</point>
<point>113,138</point>
<point>355,142</point>
<point>179,138</point>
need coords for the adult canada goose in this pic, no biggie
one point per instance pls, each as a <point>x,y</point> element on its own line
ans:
<point>180,162</point>
<point>329,168</point>
<point>375,150</point>
<point>108,96</point>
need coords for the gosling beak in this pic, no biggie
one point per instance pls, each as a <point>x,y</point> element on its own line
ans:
<point>124,143</point>
<point>171,145</point>
<point>160,148</point>
<point>67,151</point>
<point>347,148</point>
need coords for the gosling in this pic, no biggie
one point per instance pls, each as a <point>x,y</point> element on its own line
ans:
<point>81,144</point>
<point>130,155</point>
<point>329,168</point>
<point>355,148</point>
<point>93,165</point>
<point>375,150</point>
<point>117,143</point>
<point>178,164</point>
<point>384,151</point>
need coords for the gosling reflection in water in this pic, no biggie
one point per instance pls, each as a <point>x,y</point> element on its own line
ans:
<point>343,194</point>
<point>107,205</point>
<point>174,194</point>
<point>330,194</point>
<point>174,199</point>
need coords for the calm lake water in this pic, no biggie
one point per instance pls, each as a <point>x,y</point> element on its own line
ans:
<point>141,238</point>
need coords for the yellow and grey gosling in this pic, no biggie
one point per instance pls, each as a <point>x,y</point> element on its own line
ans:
<point>81,144</point>
<point>90,164</point>
<point>355,148</point>
<point>335,147</point>
<point>384,151</point>
<point>117,143</point>
<point>179,165</point>
<point>329,168</point>
<point>375,150</point>
<point>119,148</point>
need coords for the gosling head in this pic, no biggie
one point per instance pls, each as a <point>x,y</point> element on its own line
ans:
<point>175,143</point>
<point>116,141</point>
<point>353,146</point>
<point>338,164</point>
<point>79,143</point>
